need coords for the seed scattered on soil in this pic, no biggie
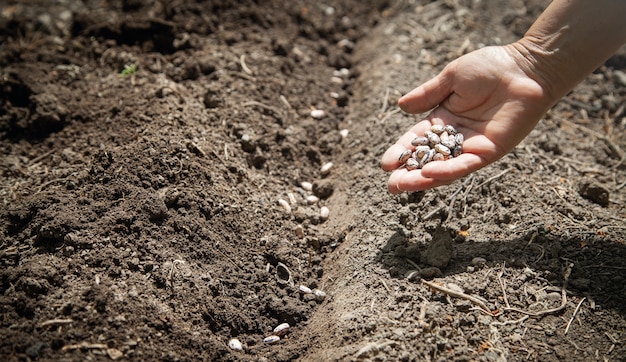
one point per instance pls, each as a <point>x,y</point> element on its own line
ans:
<point>324,213</point>
<point>281,329</point>
<point>325,170</point>
<point>285,205</point>
<point>307,186</point>
<point>235,345</point>
<point>271,339</point>
<point>318,113</point>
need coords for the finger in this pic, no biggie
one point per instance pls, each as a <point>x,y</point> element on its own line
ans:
<point>403,180</point>
<point>428,95</point>
<point>434,174</point>
<point>454,168</point>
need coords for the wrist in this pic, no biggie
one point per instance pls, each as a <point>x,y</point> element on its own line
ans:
<point>541,60</point>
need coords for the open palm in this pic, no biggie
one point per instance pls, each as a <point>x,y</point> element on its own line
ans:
<point>485,95</point>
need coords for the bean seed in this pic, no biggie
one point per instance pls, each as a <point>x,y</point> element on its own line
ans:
<point>324,213</point>
<point>450,143</point>
<point>304,289</point>
<point>281,329</point>
<point>325,170</point>
<point>312,199</point>
<point>318,113</point>
<point>433,138</point>
<point>442,149</point>
<point>405,155</point>
<point>235,345</point>
<point>271,339</point>
<point>427,157</point>
<point>285,205</point>
<point>420,141</point>
<point>437,128</point>
<point>307,186</point>
<point>450,129</point>
<point>412,164</point>
<point>420,151</point>
<point>458,149</point>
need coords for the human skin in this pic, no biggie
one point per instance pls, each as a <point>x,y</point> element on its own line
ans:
<point>496,95</point>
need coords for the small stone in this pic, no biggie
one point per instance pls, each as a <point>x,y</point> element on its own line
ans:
<point>400,251</point>
<point>394,272</point>
<point>299,231</point>
<point>247,144</point>
<point>439,251</point>
<point>413,252</point>
<point>34,350</point>
<point>479,262</point>
<point>323,189</point>
<point>620,77</point>
<point>319,295</point>
<point>114,353</point>
<point>581,284</point>
<point>431,272</point>
<point>594,193</point>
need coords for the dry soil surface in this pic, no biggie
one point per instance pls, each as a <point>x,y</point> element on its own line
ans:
<point>145,146</point>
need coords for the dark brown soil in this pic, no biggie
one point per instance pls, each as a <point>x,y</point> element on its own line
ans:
<point>145,145</point>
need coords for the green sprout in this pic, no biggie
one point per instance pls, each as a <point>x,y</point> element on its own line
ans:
<point>129,69</point>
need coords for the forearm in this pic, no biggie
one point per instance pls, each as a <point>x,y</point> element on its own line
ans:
<point>570,40</point>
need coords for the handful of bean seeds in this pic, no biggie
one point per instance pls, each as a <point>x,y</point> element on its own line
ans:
<point>439,144</point>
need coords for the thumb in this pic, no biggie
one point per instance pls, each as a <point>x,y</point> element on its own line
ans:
<point>428,95</point>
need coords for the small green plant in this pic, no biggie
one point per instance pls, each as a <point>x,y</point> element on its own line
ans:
<point>129,69</point>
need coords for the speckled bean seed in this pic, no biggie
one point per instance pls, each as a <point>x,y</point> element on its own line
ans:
<point>271,339</point>
<point>442,149</point>
<point>405,155</point>
<point>420,141</point>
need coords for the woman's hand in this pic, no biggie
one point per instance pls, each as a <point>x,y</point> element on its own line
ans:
<point>487,96</point>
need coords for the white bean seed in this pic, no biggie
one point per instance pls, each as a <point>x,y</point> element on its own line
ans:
<point>271,339</point>
<point>307,186</point>
<point>235,345</point>
<point>312,199</point>
<point>285,205</point>
<point>318,113</point>
<point>324,213</point>
<point>325,170</point>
